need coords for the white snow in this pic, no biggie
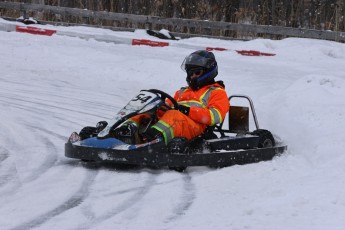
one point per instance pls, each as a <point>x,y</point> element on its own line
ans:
<point>165,32</point>
<point>51,86</point>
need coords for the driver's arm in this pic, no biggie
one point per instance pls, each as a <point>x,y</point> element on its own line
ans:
<point>214,113</point>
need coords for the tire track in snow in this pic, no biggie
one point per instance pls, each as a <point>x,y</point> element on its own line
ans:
<point>51,152</point>
<point>30,109</point>
<point>74,201</point>
<point>74,117</point>
<point>186,200</point>
<point>47,112</point>
<point>37,104</point>
<point>49,132</point>
<point>139,193</point>
<point>50,160</point>
<point>51,149</point>
<point>10,173</point>
<point>53,97</point>
<point>4,154</point>
<point>9,181</point>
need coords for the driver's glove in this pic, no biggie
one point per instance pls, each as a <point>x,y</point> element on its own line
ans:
<point>184,109</point>
<point>165,107</point>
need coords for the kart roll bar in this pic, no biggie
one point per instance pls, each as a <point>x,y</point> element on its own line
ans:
<point>243,127</point>
<point>251,106</point>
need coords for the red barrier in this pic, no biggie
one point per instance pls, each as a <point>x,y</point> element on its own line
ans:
<point>253,53</point>
<point>148,43</point>
<point>242,52</point>
<point>34,30</point>
<point>215,48</point>
<point>40,31</point>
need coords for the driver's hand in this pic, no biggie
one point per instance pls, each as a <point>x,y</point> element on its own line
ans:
<point>184,109</point>
<point>165,107</point>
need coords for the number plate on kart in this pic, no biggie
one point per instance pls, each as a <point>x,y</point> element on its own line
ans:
<point>141,103</point>
<point>143,99</point>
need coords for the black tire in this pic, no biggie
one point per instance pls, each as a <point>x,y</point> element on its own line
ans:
<point>87,161</point>
<point>87,132</point>
<point>177,169</point>
<point>178,145</point>
<point>266,139</point>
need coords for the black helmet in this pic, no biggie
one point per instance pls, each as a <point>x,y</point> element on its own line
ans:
<point>204,60</point>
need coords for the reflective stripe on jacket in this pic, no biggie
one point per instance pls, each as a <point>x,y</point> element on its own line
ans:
<point>208,105</point>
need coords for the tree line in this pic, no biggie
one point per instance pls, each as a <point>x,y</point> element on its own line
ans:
<point>309,14</point>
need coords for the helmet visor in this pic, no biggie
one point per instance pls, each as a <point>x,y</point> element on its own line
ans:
<point>198,71</point>
<point>195,60</point>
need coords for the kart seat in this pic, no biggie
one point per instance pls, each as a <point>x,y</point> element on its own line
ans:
<point>238,119</point>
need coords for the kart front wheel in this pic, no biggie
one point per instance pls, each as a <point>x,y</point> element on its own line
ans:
<point>87,132</point>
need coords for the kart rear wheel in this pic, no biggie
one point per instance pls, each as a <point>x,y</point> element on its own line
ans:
<point>266,139</point>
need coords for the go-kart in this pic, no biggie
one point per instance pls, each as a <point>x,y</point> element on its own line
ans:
<point>216,147</point>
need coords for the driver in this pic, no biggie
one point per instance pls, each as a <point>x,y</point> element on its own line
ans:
<point>202,103</point>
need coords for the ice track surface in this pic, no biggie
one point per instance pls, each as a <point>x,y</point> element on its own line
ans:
<point>44,190</point>
<point>51,86</point>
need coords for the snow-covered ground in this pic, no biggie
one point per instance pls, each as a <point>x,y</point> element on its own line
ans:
<point>51,86</point>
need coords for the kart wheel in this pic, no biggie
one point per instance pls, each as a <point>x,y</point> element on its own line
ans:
<point>178,169</point>
<point>178,145</point>
<point>266,139</point>
<point>87,161</point>
<point>87,132</point>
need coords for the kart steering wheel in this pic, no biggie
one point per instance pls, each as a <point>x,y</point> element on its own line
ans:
<point>163,96</point>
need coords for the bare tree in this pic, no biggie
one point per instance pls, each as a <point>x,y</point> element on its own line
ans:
<point>315,14</point>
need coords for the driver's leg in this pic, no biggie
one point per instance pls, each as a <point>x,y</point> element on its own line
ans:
<point>129,131</point>
<point>175,124</point>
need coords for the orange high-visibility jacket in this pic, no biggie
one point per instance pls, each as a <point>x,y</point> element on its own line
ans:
<point>208,105</point>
